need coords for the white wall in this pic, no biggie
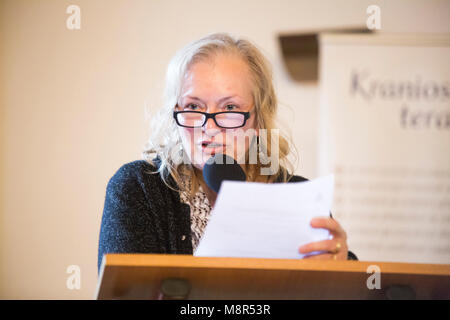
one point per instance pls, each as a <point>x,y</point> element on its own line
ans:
<point>72,109</point>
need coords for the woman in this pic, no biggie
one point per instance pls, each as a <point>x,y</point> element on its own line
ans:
<point>218,89</point>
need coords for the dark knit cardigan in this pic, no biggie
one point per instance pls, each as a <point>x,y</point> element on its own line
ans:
<point>142,215</point>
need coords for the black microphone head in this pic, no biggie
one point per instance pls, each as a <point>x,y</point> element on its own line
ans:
<point>221,167</point>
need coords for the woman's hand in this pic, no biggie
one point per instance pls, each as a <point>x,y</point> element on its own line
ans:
<point>336,248</point>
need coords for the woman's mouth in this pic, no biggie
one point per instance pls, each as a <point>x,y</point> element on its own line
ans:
<point>211,146</point>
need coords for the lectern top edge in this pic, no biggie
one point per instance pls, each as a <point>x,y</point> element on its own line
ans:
<point>189,261</point>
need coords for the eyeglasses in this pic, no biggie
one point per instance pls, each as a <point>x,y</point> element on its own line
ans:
<point>197,119</point>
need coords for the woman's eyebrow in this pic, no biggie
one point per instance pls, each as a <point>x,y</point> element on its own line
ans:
<point>218,101</point>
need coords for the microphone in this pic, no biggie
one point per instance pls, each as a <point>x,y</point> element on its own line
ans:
<point>221,167</point>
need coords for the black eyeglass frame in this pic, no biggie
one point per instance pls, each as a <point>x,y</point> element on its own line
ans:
<point>211,116</point>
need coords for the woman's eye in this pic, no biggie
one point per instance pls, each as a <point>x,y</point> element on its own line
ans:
<point>191,106</point>
<point>230,107</point>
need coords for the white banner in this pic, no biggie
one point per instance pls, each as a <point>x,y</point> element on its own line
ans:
<point>385,134</point>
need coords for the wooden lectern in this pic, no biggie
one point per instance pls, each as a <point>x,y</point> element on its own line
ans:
<point>162,276</point>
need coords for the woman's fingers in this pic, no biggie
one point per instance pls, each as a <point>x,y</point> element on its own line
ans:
<point>332,249</point>
<point>333,245</point>
<point>328,223</point>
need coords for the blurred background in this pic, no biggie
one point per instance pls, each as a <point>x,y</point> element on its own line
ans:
<point>74,107</point>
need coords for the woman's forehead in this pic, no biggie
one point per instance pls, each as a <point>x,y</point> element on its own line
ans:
<point>225,76</point>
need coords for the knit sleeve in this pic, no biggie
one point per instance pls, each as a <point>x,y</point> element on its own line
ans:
<point>126,225</point>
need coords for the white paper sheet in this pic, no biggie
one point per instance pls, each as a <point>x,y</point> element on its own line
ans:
<point>259,220</point>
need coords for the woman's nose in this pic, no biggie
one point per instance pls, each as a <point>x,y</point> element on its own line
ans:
<point>210,127</point>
